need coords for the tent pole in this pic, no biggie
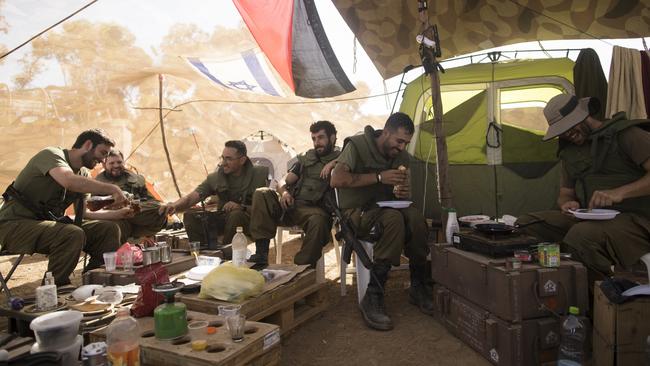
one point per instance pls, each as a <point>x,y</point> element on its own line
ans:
<point>442,166</point>
<point>162,130</point>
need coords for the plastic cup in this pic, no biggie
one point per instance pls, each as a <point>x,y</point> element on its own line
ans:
<point>229,310</point>
<point>126,258</point>
<point>195,247</point>
<point>236,326</point>
<point>198,329</point>
<point>109,261</point>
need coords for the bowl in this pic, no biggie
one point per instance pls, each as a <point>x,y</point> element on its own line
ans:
<point>57,329</point>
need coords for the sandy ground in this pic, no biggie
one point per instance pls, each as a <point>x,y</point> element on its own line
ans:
<point>338,336</point>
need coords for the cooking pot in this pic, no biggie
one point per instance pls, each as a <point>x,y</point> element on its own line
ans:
<point>150,255</point>
<point>496,228</point>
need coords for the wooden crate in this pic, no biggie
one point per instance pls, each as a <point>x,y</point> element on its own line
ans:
<point>620,331</point>
<point>181,262</point>
<point>16,346</point>
<point>260,347</point>
<point>287,306</point>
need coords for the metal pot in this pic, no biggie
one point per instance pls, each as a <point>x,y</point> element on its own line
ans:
<point>150,255</point>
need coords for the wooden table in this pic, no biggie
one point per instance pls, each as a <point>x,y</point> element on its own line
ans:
<point>181,262</point>
<point>288,305</point>
<point>260,347</point>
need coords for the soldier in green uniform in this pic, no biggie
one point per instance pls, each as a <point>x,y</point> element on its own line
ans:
<point>234,183</point>
<point>301,200</point>
<point>32,217</point>
<point>606,164</point>
<point>147,221</point>
<point>373,167</point>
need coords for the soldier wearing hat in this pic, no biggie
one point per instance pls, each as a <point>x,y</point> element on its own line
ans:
<point>605,164</point>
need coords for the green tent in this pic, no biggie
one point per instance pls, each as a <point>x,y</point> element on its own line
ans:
<point>494,124</point>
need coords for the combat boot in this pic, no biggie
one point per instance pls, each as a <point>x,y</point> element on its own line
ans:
<point>421,291</point>
<point>372,305</point>
<point>261,251</point>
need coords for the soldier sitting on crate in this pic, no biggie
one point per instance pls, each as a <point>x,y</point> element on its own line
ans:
<point>604,164</point>
<point>301,200</point>
<point>234,183</point>
<point>372,168</point>
<point>148,221</point>
<point>32,218</point>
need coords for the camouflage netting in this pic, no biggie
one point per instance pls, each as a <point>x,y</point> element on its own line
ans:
<point>387,29</point>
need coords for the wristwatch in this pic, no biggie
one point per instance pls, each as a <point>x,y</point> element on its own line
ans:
<point>378,177</point>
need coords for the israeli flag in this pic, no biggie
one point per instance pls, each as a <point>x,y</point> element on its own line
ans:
<point>247,71</point>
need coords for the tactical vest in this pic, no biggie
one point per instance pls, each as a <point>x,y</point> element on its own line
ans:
<point>601,164</point>
<point>310,186</point>
<point>129,182</point>
<point>370,161</point>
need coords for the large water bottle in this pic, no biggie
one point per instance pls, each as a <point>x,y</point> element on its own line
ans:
<point>573,340</point>
<point>239,244</point>
<point>123,340</point>
<point>452,225</point>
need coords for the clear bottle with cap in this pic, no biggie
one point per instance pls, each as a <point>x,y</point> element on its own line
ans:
<point>239,245</point>
<point>452,225</point>
<point>572,343</point>
<point>46,296</point>
<point>123,340</point>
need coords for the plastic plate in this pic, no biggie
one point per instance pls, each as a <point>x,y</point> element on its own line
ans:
<point>394,204</point>
<point>594,214</point>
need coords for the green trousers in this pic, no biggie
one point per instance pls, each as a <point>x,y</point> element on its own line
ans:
<point>403,230</point>
<point>266,216</point>
<point>598,244</point>
<point>62,243</point>
<point>219,223</point>
<point>146,223</point>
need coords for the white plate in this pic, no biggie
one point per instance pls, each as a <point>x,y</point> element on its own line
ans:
<point>473,219</point>
<point>394,204</point>
<point>594,214</point>
<point>197,273</point>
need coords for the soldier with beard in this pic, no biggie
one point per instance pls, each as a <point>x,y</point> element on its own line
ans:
<point>147,221</point>
<point>301,195</point>
<point>32,217</point>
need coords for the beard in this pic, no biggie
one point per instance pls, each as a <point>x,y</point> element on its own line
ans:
<point>327,149</point>
<point>116,172</point>
<point>88,159</point>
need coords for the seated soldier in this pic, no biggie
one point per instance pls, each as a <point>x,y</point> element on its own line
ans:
<point>234,183</point>
<point>604,164</point>
<point>32,217</point>
<point>146,220</point>
<point>301,201</point>
<point>371,168</point>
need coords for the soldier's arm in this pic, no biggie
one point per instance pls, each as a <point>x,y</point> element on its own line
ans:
<point>288,180</point>
<point>342,177</point>
<point>76,183</point>
<point>638,188</point>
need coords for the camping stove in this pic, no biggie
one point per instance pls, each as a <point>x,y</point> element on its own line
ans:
<point>493,245</point>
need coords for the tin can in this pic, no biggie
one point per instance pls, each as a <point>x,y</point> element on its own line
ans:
<point>94,354</point>
<point>165,252</point>
<point>549,255</point>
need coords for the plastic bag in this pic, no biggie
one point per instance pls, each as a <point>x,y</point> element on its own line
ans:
<point>147,300</point>
<point>230,283</point>
<point>137,253</point>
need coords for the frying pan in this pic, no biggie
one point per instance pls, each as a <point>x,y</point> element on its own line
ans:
<point>494,228</point>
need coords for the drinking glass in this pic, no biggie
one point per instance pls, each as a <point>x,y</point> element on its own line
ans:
<point>236,326</point>
<point>110,261</point>
<point>195,247</point>
<point>126,258</point>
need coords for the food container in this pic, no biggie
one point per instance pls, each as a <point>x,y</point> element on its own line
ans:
<point>549,255</point>
<point>150,255</point>
<point>165,252</point>
<point>523,255</point>
<point>513,264</point>
<point>56,330</point>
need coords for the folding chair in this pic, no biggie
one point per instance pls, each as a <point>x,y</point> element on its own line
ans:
<point>5,279</point>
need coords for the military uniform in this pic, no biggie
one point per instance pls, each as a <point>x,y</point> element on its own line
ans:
<point>307,212</point>
<point>611,158</point>
<point>227,187</point>
<point>402,229</point>
<point>33,230</point>
<point>148,221</point>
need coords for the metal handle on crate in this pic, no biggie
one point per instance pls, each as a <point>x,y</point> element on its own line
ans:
<point>491,335</point>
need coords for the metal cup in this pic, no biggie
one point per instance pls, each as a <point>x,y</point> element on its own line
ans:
<point>165,252</point>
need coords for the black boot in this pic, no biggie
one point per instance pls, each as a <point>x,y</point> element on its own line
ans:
<point>421,291</point>
<point>372,306</point>
<point>261,251</point>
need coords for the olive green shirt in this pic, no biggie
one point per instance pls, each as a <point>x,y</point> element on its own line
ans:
<point>238,189</point>
<point>36,184</point>
<point>134,184</point>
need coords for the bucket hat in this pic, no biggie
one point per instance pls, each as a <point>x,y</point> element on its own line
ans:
<point>564,111</point>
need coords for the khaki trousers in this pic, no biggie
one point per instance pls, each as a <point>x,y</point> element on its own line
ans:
<point>218,223</point>
<point>146,223</point>
<point>62,243</point>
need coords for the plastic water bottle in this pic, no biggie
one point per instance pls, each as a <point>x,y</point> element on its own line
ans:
<point>452,225</point>
<point>239,244</point>
<point>573,340</point>
<point>123,340</point>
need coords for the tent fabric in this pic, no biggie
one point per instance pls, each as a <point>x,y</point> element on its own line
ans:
<point>387,29</point>
<point>625,89</point>
<point>292,35</point>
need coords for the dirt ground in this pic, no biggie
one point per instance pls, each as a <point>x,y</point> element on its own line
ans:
<point>338,336</point>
